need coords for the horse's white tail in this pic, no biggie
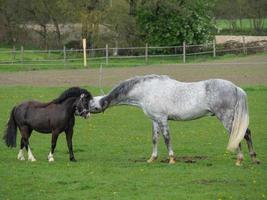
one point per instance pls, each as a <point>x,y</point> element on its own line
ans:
<point>240,122</point>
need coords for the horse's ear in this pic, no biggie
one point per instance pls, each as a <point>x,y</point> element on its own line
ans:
<point>104,105</point>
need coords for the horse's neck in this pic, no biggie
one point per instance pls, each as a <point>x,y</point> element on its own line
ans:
<point>120,100</point>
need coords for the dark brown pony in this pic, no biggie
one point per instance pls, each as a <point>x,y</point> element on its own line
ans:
<point>52,117</point>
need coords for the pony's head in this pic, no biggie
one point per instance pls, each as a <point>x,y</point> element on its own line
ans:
<point>98,104</point>
<point>82,100</point>
<point>82,103</point>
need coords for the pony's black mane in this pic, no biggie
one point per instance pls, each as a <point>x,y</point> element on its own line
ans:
<point>71,92</point>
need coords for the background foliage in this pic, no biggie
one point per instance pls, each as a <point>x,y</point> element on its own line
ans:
<point>172,22</point>
<point>53,23</point>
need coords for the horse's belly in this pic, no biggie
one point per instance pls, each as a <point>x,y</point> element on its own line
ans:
<point>188,114</point>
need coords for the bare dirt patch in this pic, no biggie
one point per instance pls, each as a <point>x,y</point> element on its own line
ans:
<point>250,70</point>
<point>211,182</point>
<point>186,159</point>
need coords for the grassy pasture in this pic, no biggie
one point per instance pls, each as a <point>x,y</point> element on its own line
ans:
<point>44,61</point>
<point>112,149</point>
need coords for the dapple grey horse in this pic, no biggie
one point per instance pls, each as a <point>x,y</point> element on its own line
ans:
<point>163,99</point>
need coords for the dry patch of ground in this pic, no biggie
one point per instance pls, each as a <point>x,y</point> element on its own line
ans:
<point>250,70</point>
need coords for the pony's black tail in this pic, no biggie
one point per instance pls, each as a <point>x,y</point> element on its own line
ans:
<point>10,134</point>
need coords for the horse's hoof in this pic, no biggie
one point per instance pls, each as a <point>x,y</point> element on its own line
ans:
<point>172,160</point>
<point>238,163</point>
<point>51,159</point>
<point>152,159</point>
<point>256,161</point>
<point>73,160</point>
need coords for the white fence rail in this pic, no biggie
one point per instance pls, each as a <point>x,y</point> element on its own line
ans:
<point>121,56</point>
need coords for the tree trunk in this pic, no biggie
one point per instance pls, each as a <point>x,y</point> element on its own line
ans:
<point>58,33</point>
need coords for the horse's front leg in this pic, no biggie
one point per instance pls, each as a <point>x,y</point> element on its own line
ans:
<point>69,134</point>
<point>53,145</point>
<point>167,139</point>
<point>155,138</point>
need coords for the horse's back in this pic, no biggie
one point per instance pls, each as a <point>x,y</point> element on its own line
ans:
<point>173,99</point>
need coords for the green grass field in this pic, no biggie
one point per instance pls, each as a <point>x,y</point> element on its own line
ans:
<point>112,149</point>
<point>243,27</point>
<point>245,24</point>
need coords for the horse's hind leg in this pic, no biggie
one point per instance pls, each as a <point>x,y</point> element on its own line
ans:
<point>252,153</point>
<point>155,138</point>
<point>20,154</point>
<point>240,156</point>
<point>226,117</point>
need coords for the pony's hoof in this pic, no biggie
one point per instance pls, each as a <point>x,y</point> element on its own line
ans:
<point>73,160</point>
<point>32,159</point>
<point>51,159</point>
<point>172,160</point>
<point>152,159</point>
<point>21,158</point>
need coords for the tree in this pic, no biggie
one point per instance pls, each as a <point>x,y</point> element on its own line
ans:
<point>121,23</point>
<point>233,10</point>
<point>89,13</point>
<point>8,14</point>
<point>174,21</point>
<point>257,12</point>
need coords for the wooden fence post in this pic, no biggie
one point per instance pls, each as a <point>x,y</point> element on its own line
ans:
<point>214,48</point>
<point>184,51</point>
<point>21,54</point>
<point>14,54</point>
<point>65,55</point>
<point>84,53</point>
<point>146,53</point>
<point>244,45</point>
<point>106,54</point>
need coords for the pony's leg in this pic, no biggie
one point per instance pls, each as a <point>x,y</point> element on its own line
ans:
<point>155,138</point>
<point>20,154</point>
<point>53,146</point>
<point>30,155</point>
<point>167,139</point>
<point>26,133</point>
<point>252,153</point>
<point>69,134</point>
<point>28,149</point>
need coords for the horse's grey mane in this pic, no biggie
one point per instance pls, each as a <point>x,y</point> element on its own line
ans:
<point>123,88</point>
